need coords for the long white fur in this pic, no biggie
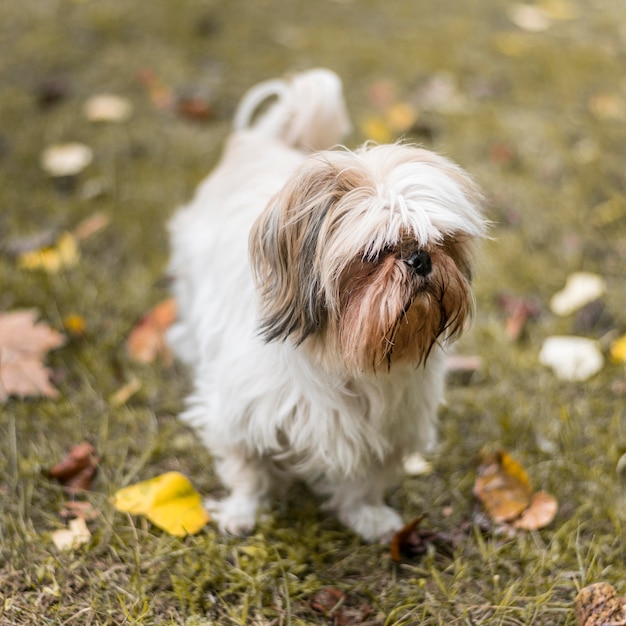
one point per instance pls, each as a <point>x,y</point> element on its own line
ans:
<point>265,409</point>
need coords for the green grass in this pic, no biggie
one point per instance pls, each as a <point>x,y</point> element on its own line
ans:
<point>559,206</point>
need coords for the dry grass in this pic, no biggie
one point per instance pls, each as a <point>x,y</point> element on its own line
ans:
<point>557,99</point>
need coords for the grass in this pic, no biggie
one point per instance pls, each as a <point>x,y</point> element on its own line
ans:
<point>554,101</point>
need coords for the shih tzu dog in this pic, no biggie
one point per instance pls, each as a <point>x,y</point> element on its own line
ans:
<point>317,290</point>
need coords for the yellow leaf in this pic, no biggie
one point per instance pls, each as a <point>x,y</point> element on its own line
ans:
<point>401,116</point>
<point>618,350</point>
<point>169,501</point>
<point>376,129</point>
<point>64,253</point>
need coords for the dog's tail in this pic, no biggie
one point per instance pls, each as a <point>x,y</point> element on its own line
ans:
<point>308,113</point>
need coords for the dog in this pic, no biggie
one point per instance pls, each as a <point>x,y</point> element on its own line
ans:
<point>317,289</point>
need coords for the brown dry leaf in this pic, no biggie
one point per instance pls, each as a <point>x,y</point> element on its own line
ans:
<point>502,486</point>
<point>146,341</point>
<point>540,513</point>
<point>412,541</point>
<point>77,470</point>
<point>332,602</point>
<point>160,94</point>
<point>599,605</point>
<point>518,311</point>
<point>505,491</point>
<point>23,344</point>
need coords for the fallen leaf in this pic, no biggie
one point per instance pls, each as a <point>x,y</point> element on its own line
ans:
<point>599,605</point>
<point>66,159</point>
<point>542,510</point>
<point>572,358</point>
<point>504,489</point>
<point>72,537</point>
<point>502,486</point>
<point>580,289</point>
<point>146,341</point>
<point>91,225</point>
<point>327,600</point>
<point>333,603</point>
<point>417,465</point>
<point>74,325</point>
<point>107,108</point>
<point>23,344</point>
<point>77,470</point>
<point>529,18</point>
<point>169,501</point>
<point>519,312</point>
<point>159,93</point>
<point>125,392</point>
<point>618,350</point>
<point>61,254</point>
<point>607,106</point>
<point>194,107</point>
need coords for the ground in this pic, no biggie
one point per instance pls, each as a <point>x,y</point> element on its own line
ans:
<point>532,103</point>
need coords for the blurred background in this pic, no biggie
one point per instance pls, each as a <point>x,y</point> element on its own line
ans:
<point>530,97</point>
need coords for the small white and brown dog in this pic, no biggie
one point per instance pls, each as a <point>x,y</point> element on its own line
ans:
<point>317,290</point>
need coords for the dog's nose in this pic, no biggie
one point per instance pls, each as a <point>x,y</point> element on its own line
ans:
<point>420,262</point>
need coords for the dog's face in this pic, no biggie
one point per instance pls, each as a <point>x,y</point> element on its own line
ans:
<point>366,258</point>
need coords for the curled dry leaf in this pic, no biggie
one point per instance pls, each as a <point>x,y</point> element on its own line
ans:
<point>540,513</point>
<point>77,470</point>
<point>23,344</point>
<point>146,341</point>
<point>599,605</point>
<point>169,501</point>
<point>504,489</point>
<point>572,358</point>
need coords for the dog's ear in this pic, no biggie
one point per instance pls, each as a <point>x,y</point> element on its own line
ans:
<point>284,254</point>
<point>286,250</point>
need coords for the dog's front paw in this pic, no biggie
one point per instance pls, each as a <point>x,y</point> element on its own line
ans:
<point>372,522</point>
<point>235,515</point>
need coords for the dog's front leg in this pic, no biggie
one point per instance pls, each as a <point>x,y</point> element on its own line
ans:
<point>248,479</point>
<point>361,507</point>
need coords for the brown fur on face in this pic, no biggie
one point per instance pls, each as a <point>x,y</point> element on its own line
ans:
<point>329,257</point>
<point>391,314</point>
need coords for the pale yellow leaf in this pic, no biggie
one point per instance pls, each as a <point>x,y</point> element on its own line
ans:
<point>72,537</point>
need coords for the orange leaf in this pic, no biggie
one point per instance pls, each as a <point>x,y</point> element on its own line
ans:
<point>146,341</point>
<point>502,486</point>
<point>540,513</point>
